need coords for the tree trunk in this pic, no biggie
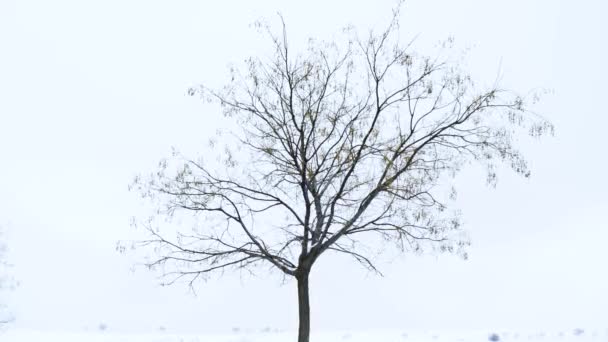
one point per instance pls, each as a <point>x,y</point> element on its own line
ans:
<point>303,307</point>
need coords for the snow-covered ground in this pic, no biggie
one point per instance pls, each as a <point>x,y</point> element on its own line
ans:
<point>572,335</point>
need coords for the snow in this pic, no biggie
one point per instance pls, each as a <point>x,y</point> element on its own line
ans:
<point>571,335</point>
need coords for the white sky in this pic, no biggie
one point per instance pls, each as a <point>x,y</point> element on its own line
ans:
<point>93,92</point>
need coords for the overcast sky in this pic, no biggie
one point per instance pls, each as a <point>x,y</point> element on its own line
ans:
<point>94,92</point>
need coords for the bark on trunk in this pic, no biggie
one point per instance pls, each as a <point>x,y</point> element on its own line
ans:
<point>303,308</point>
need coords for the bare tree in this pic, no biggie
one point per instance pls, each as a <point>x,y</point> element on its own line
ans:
<point>6,281</point>
<point>344,142</point>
